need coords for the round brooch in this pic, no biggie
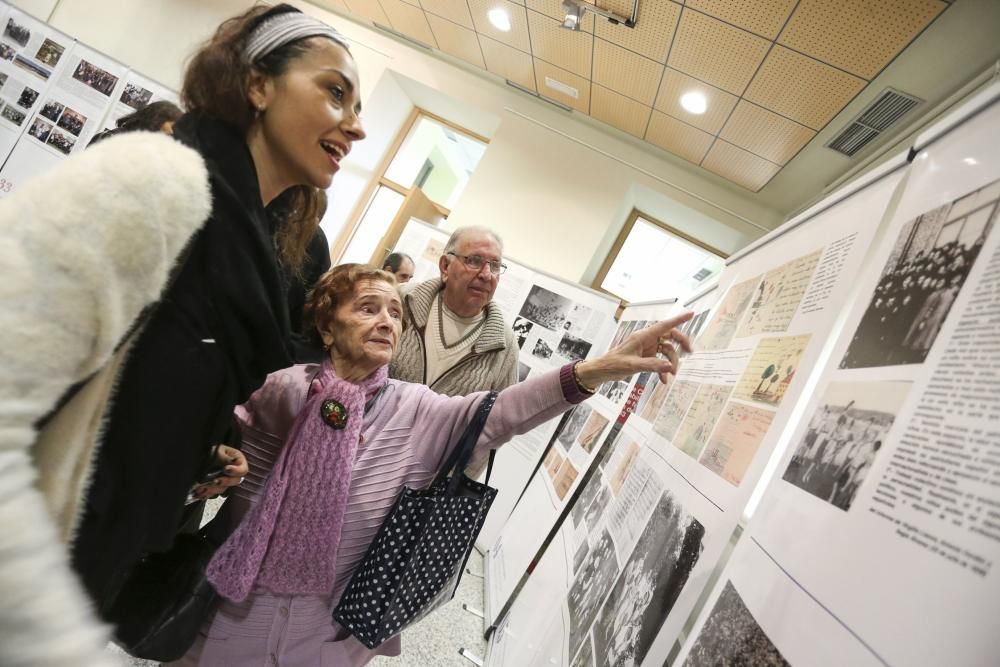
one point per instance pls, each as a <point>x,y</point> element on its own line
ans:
<point>333,413</point>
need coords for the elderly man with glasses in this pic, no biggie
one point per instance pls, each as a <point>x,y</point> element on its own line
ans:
<point>454,337</point>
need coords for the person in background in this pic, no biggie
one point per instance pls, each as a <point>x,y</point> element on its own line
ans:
<point>154,117</point>
<point>304,529</point>
<point>400,265</point>
<point>273,99</point>
<point>454,336</point>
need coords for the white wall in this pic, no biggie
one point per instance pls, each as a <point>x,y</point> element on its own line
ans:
<point>551,198</point>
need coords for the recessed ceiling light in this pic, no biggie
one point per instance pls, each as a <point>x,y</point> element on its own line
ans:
<point>694,102</point>
<point>500,19</point>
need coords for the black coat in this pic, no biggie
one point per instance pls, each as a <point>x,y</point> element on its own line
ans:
<point>220,328</point>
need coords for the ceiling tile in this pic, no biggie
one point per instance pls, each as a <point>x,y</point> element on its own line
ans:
<point>546,73</point>
<point>859,36</point>
<point>553,9</point>
<point>653,31</point>
<point>626,72</point>
<point>716,53</point>
<point>333,4</point>
<point>518,34</point>
<point>619,7</point>
<point>415,3</point>
<point>800,88</point>
<point>508,62</point>
<point>670,134</point>
<point>739,166</point>
<point>456,11</point>
<point>567,49</point>
<point>766,134</point>
<point>409,20</point>
<point>457,41</point>
<point>619,111</point>
<point>763,17</point>
<point>370,9</point>
<point>675,84</point>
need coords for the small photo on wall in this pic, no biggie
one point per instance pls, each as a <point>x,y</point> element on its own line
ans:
<point>72,121</point>
<point>51,110</point>
<point>521,328</point>
<point>27,98</point>
<point>40,130</point>
<point>49,53</point>
<point>61,142</point>
<point>99,79</point>
<point>6,53</point>
<point>17,33</point>
<point>135,96</point>
<point>13,114</point>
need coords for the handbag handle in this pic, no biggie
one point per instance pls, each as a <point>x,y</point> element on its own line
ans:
<point>460,455</point>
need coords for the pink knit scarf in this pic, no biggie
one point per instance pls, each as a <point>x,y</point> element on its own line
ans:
<point>288,542</point>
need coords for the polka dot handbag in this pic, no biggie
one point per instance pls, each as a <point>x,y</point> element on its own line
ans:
<point>414,564</point>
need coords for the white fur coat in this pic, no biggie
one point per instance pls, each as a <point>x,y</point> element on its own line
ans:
<point>83,249</point>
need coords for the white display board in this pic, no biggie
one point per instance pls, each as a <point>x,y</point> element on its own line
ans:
<point>881,529</point>
<point>566,464</point>
<point>696,451</point>
<point>554,322</point>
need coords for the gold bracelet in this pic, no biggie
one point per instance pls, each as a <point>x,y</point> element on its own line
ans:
<point>579,383</point>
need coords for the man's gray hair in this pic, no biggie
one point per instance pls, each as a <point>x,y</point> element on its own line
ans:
<point>457,235</point>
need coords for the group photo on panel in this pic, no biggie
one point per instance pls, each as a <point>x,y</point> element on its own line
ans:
<point>203,345</point>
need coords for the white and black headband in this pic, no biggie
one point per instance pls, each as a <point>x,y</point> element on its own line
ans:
<point>284,28</point>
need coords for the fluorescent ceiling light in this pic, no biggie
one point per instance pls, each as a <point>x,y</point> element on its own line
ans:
<point>694,102</point>
<point>500,19</point>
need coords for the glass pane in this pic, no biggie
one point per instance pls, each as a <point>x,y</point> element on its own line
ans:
<point>437,159</point>
<point>655,264</point>
<point>373,225</point>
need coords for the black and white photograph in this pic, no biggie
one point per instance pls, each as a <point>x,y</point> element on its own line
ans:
<point>13,114</point>
<point>522,328</point>
<point>16,32</point>
<point>100,80</point>
<point>649,585</point>
<point>597,506</point>
<point>546,308</point>
<point>3,79</point>
<point>590,491</point>
<point>523,370</point>
<point>27,98</point>
<point>49,53</point>
<point>590,587</point>
<point>61,142</point>
<point>731,636</point>
<point>542,349</point>
<point>574,424</point>
<point>843,439</point>
<point>72,121</point>
<point>40,129</point>
<point>6,53</point>
<point>32,67</point>
<point>573,348</point>
<point>51,110</point>
<point>614,391</point>
<point>580,555</point>
<point>135,96</point>
<point>920,282</point>
<point>585,656</point>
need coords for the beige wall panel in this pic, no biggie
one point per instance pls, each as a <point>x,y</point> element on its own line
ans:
<point>800,88</point>
<point>619,111</point>
<point>626,72</point>
<point>409,20</point>
<point>739,166</point>
<point>508,62</point>
<point>338,5</point>
<point>680,139</point>
<point>369,9</point>
<point>860,36</point>
<point>456,11</point>
<point>553,9</point>
<point>619,7</point>
<point>716,53</point>
<point>544,70</point>
<point>764,133</point>
<point>762,17</point>
<point>518,35</point>
<point>675,84</point>
<point>456,41</point>
<point>567,49</point>
<point>653,31</point>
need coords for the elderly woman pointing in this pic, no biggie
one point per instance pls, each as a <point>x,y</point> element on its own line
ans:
<point>343,440</point>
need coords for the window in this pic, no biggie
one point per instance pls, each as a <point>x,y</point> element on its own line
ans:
<point>651,260</point>
<point>430,154</point>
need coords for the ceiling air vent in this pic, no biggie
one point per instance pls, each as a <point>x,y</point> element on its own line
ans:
<point>875,119</point>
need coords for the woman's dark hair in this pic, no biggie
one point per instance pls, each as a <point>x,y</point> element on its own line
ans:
<point>151,117</point>
<point>216,83</point>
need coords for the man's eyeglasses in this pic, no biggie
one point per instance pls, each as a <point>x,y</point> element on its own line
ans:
<point>476,263</point>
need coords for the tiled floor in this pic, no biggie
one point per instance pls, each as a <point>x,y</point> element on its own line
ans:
<point>435,641</point>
